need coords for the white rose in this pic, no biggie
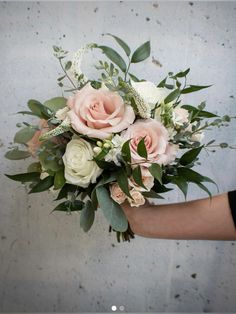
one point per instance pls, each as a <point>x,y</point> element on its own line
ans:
<point>150,93</point>
<point>80,169</point>
<point>138,198</point>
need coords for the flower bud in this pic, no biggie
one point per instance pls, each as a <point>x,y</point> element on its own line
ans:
<point>97,150</point>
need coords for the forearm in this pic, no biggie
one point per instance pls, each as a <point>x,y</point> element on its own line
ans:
<point>200,219</point>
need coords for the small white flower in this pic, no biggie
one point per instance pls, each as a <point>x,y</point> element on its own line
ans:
<point>180,116</point>
<point>77,62</point>
<point>197,137</point>
<point>150,93</point>
<point>114,153</point>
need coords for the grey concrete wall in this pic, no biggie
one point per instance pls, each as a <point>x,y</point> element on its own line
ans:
<point>47,262</point>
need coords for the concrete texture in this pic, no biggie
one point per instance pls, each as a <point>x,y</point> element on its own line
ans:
<point>46,262</point>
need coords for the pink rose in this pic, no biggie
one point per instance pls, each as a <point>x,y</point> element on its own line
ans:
<point>116,193</point>
<point>156,141</point>
<point>138,198</point>
<point>99,113</point>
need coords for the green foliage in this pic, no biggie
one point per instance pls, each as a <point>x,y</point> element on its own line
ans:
<point>43,185</point>
<point>69,206</point>
<point>172,96</point>
<point>114,57</point>
<point>141,53</point>
<point>50,156</point>
<point>181,183</point>
<point>137,176</point>
<point>34,167</point>
<point>56,103</point>
<point>24,135</point>
<point>193,88</point>
<point>122,180</point>
<point>152,194</point>
<point>125,150</point>
<point>59,179</point>
<point>141,149</point>
<point>87,216</point>
<point>156,172</point>
<point>111,210</point>
<point>38,109</point>
<point>25,177</point>
<point>17,154</point>
<point>190,156</point>
<point>125,47</point>
<point>65,190</point>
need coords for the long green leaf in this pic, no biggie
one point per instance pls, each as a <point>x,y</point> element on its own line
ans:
<point>141,149</point>
<point>125,150</point>
<point>59,179</point>
<point>137,176</point>
<point>125,47</point>
<point>68,206</point>
<point>111,210</point>
<point>114,57</point>
<point>190,156</point>
<point>156,172</point>
<point>141,53</point>
<point>25,177</point>
<point>193,88</point>
<point>122,180</point>
<point>172,96</point>
<point>181,183</point>
<point>43,185</point>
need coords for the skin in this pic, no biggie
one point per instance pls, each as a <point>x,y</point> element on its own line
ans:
<point>202,219</point>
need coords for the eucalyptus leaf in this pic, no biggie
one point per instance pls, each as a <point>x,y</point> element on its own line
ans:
<point>87,216</point>
<point>111,210</point>
<point>24,135</point>
<point>141,53</point>
<point>38,109</point>
<point>16,154</point>
<point>56,103</point>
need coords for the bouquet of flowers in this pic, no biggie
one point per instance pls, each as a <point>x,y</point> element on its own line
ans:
<point>116,138</point>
